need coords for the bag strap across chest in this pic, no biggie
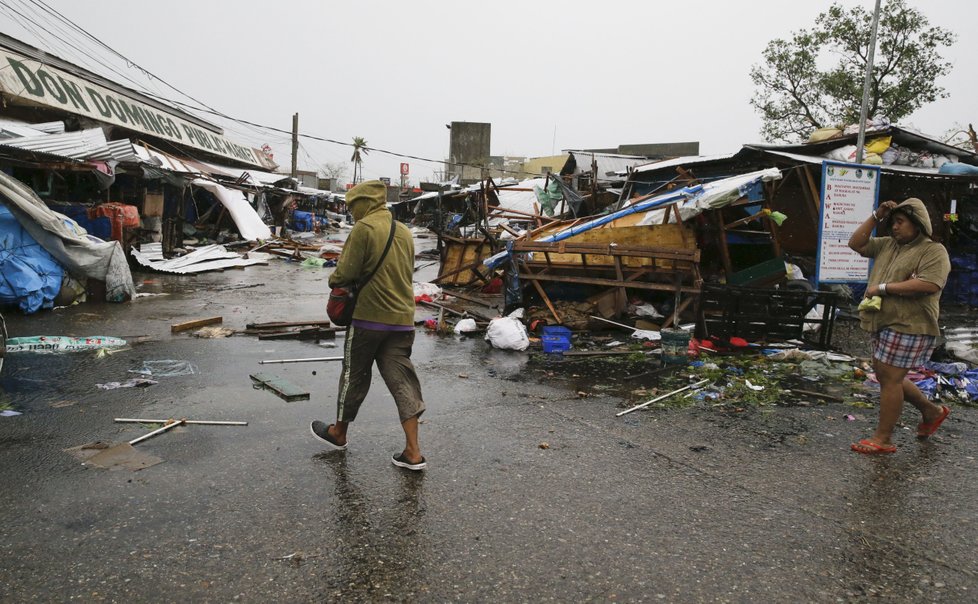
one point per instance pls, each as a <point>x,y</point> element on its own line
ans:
<point>390,239</point>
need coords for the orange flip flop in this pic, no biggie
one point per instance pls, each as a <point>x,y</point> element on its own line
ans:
<point>868,447</point>
<point>924,429</point>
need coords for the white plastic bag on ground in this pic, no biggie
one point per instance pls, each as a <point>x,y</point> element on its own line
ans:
<point>427,289</point>
<point>507,333</point>
<point>465,326</point>
<point>647,310</point>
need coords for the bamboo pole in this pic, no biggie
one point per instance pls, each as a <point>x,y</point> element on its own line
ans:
<point>309,360</point>
<point>664,396</point>
<point>132,420</point>
<point>170,426</point>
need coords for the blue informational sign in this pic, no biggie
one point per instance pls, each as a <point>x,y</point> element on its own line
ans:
<point>850,193</point>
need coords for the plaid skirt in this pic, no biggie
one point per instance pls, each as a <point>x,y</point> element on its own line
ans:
<point>904,350</point>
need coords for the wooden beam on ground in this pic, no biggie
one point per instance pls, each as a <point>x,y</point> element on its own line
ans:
<point>188,325</point>
<point>285,324</point>
<point>308,333</point>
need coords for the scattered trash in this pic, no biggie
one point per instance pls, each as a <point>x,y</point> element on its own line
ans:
<point>693,386</point>
<point>133,383</point>
<point>466,326</point>
<point>55,344</point>
<point>166,368</point>
<point>753,387</point>
<point>507,333</point>
<point>9,413</point>
<point>147,295</point>
<point>318,262</point>
<point>544,445</point>
<point>427,290</point>
<point>214,332</point>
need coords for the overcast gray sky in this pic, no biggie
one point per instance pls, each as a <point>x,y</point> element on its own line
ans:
<point>547,75</point>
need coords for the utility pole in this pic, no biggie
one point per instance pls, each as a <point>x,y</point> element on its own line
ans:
<point>864,109</point>
<point>295,143</point>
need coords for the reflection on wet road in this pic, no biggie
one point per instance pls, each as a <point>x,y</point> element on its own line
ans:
<point>533,490</point>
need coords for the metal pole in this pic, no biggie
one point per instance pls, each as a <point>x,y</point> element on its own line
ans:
<point>295,144</point>
<point>311,360</point>
<point>864,109</point>
<point>131,420</point>
<point>664,396</point>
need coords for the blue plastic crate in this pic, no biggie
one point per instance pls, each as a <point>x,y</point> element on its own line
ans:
<point>556,339</point>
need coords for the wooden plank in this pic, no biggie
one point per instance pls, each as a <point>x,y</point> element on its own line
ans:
<point>546,299</point>
<point>281,388</point>
<point>309,333</point>
<point>609,282</point>
<point>188,325</point>
<point>284,324</point>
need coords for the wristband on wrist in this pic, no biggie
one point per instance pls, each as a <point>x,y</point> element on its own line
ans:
<point>882,288</point>
<point>877,218</point>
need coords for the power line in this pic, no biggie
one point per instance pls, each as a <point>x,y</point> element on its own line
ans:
<point>61,39</point>
<point>203,107</point>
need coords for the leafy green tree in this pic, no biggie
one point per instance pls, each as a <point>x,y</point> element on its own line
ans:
<point>815,79</point>
<point>360,149</point>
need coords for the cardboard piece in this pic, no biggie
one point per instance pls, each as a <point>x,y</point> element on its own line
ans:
<point>114,457</point>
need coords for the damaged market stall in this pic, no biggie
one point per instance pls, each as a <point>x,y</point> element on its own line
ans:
<point>911,164</point>
<point>646,248</point>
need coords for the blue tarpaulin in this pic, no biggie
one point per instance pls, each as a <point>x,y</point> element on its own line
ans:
<point>30,277</point>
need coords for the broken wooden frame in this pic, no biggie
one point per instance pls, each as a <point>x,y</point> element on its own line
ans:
<point>614,266</point>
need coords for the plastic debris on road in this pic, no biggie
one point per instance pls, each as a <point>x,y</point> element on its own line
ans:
<point>58,344</point>
<point>166,368</point>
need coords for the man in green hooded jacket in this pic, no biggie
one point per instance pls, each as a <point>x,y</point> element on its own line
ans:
<point>909,272</point>
<point>382,330</point>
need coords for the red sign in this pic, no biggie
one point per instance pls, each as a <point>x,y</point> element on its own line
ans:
<point>405,169</point>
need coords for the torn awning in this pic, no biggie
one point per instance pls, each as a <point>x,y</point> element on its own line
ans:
<point>245,217</point>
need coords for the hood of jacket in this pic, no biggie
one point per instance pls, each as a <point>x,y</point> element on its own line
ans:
<point>366,197</point>
<point>916,211</point>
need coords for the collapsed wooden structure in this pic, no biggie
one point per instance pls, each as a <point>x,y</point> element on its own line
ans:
<point>608,261</point>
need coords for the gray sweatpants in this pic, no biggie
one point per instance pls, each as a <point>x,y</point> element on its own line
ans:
<point>392,352</point>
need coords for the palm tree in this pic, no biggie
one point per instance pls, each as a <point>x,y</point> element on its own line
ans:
<point>359,150</point>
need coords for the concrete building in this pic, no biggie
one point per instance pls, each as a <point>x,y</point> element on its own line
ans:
<point>468,151</point>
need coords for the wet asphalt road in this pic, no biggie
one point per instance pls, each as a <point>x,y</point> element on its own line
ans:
<point>674,505</point>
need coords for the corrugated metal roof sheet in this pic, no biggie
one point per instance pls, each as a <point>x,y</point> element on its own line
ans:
<point>163,160</point>
<point>611,166</point>
<point>683,161</point>
<point>83,144</point>
<point>10,128</point>
<point>817,159</point>
<point>122,151</point>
